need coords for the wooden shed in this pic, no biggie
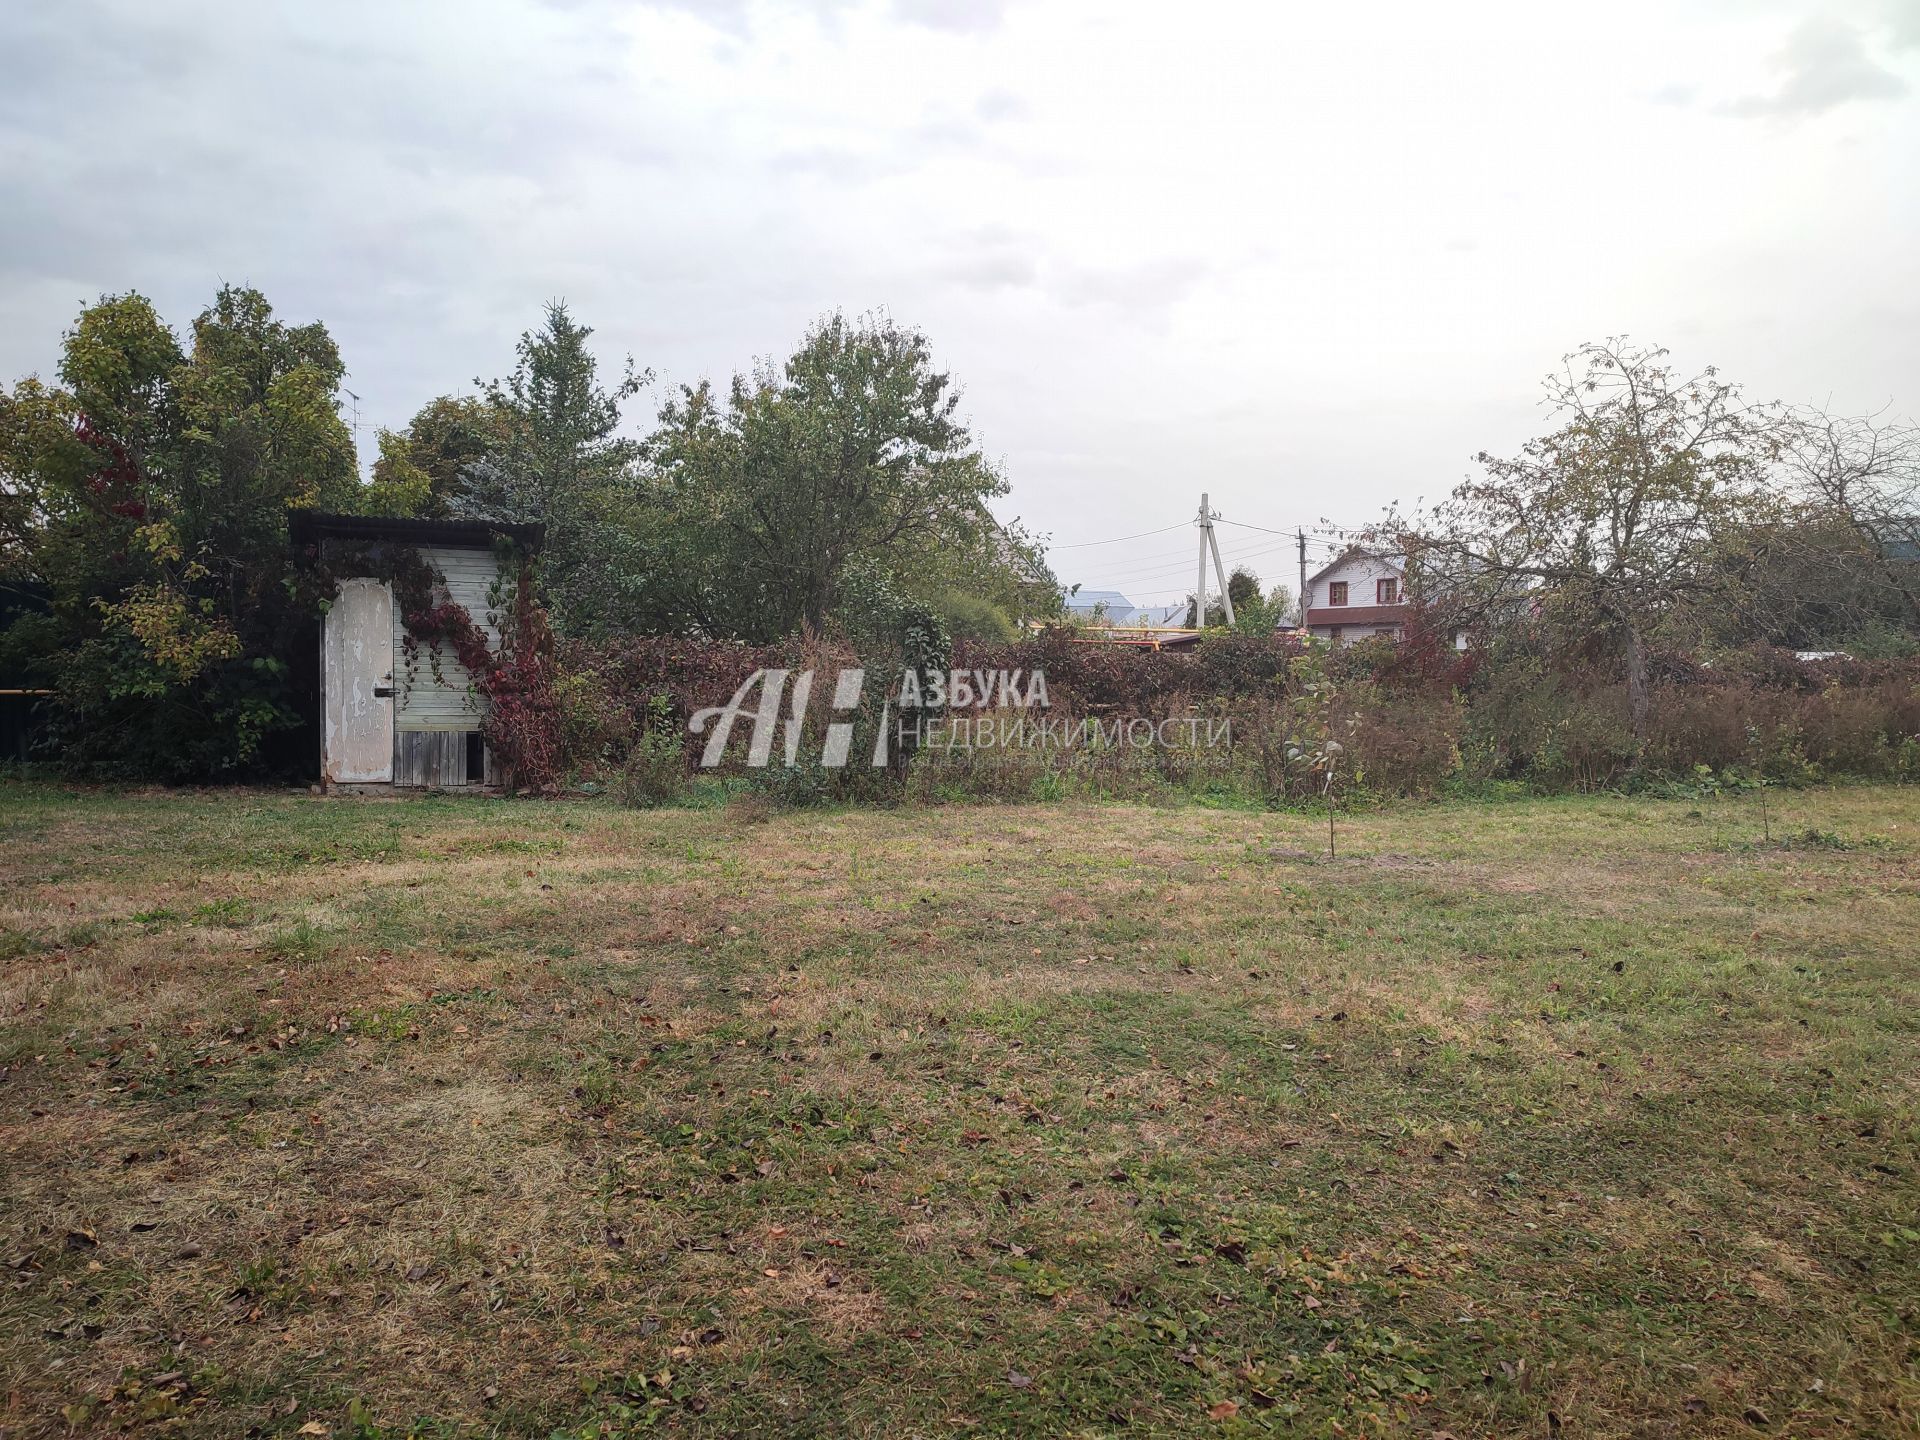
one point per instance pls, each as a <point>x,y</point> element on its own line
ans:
<point>394,710</point>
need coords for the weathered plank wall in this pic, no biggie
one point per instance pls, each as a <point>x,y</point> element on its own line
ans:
<point>432,759</point>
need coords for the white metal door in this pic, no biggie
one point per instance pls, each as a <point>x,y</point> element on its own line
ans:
<point>357,682</point>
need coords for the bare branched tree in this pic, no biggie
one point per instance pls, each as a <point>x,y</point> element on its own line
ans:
<point>1617,510</point>
<point>1865,472</point>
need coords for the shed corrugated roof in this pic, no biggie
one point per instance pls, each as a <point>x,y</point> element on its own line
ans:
<point>310,526</point>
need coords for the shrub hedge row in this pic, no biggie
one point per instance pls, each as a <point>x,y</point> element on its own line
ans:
<point>1406,718</point>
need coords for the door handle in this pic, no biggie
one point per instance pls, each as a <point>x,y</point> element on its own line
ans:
<point>383,692</point>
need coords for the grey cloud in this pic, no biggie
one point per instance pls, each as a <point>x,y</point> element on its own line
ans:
<point>1148,288</point>
<point>841,163</point>
<point>1903,23</point>
<point>996,257</point>
<point>945,133</point>
<point>877,153</point>
<point>992,258</point>
<point>1825,64</point>
<point>994,272</point>
<point>997,105</point>
<point>958,16</point>
<point>735,17</point>
<point>731,16</point>
<point>356,180</point>
<point>175,90</point>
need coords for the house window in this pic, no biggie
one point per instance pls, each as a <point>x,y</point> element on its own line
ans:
<point>1333,632</point>
<point>1337,592</point>
<point>1386,592</point>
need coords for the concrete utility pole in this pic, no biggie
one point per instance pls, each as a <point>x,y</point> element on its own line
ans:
<point>1301,536</point>
<point>1208,543</point>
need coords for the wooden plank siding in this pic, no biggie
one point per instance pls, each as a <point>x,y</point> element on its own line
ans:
<point>432,759</point>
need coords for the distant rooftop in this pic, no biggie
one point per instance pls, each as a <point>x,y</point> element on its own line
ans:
<point>1117,610</point>
<point>1109,605</point>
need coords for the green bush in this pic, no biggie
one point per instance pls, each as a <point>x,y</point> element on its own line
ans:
<point>597,727</point>
<point>1406,747</point>
<point>968,617</point>
<point>1519,719</point>
<point>1590,745</point>
<point>655,770</point>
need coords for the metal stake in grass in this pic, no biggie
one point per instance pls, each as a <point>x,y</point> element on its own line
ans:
<point>1760,779</point>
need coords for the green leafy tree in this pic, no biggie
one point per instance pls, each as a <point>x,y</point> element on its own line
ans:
<point>148,493</point>
<point>1260,614</point>
<point>422,470</point>
<point>400,488</point>
<point>852,453</point>
<point>558,460</point>
<point>1243,587</point>
<point>1253,613</point>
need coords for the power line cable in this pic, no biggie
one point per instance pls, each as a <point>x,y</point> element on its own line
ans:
<point>1083,544</point>
<point>1166,559</point>
<point>1148,571</point>
<point>1133,576</point>
<point>1295,532</point>
<point>1151,565</point>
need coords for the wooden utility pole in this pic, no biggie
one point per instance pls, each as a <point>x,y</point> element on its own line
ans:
<point>1209,545</point>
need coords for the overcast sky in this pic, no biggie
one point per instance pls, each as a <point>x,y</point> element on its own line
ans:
<point>1308,258</point>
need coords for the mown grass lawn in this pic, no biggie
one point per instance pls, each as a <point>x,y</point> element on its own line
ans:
<point>1588,1117</point>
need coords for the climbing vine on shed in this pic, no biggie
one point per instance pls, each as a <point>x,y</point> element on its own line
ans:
<point>522,723</point>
